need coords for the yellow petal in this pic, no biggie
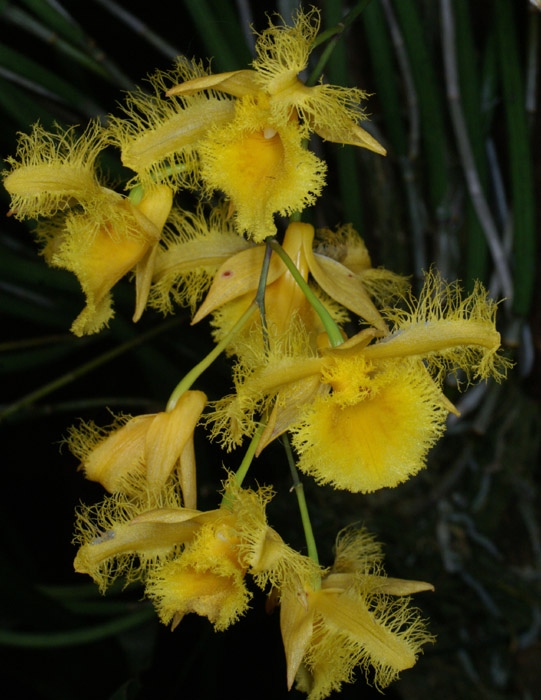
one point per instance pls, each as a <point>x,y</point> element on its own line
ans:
<point>143,280</point>
<point>188,474</point>
<point>168,435</point>
<point>119,455</point>
<point>353,345</point>
<point>146,153</point>
<point>237,276</point>
<point>237,83</point>
<point>352,616</point>
<point>296,624</point>
<point>342,285</point>
<point>155,206</point>
<point>383,585</point>
<point>435,336</point>
<point>100,256</point>
<point>284,298</point>
<point>166,515</point>
<point>108,556</point>
<point>288,407</point>
<point>352,134</point>
<point>400,586</point>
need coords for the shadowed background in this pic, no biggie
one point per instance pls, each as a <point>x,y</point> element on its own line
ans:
<point>454,101</point>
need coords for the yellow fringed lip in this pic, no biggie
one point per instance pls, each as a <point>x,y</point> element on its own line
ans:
<point>331,111</point>
<point>339,626</point>
<point>378,407</point>
<point>378,435</point>
<point>261,166</point>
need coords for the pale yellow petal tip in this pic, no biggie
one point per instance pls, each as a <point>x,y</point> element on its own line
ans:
<point>190,87</point>
<point>403,587</point>
<point>351,134</point>
<point>237,83</point>
<point>366,140</point>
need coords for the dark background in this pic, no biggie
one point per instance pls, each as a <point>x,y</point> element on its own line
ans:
<point>469,523</point>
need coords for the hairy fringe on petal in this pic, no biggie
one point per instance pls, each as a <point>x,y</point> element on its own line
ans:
<point>230,421</point>
<point>384,286</point>
<point>357,550</point>
<point>282,50</point>
<point>442,302</point>
<point>331,109</point>
<point>194,248</point>
<point>97,523</point>
<point>158,137</point>
<point>83,438</point>
<point>49,169</point>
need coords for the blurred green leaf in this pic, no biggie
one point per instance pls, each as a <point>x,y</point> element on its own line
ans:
<point>520,157</point>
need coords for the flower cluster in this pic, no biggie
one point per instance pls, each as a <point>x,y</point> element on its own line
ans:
<point>361,412</point>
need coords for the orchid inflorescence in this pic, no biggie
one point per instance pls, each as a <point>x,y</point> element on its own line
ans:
<point>361,412</point>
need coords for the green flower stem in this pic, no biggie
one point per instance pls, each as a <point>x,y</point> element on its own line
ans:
<point>136,194</point>
<point>51,640</point>
<point>80,371</point>
<point>335,336</point>
<point>299,492</point>
<point>334,33</point>
<point>260,296</point>
<point>188,379</point>
<point>258,303</point>
<point>227,500</point>
<point>296,216</point>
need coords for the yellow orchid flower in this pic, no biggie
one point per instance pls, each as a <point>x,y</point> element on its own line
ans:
<point>357,617</point>
<point>155,445</point>
<point>257,159</point>
<point>197,252</point>
<point>364,414</point>
<point>282,53</point>
<point>208,578</point>
<point>101,247</point>
<point>128,535</point>
<point>158,138</point>
<point>191,561</point>
<point>249,147</point>
<point>94,232</point>
<point>55,171</point>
